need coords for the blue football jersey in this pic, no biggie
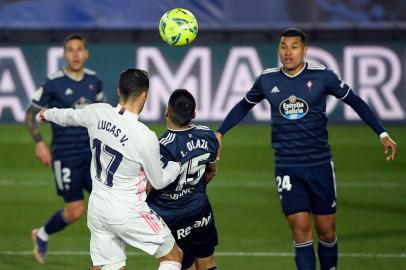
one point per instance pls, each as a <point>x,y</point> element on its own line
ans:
<point>298,112</point>
<point>61,91</point>
<point>194,148</point>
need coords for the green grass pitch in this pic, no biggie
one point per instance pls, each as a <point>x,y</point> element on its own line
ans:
<point>371,218</point>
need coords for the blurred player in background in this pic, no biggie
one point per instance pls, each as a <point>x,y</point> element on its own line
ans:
<point>184,204</point>
<point>125,154</point>
<point>304,170</point>
<point>72,87</point>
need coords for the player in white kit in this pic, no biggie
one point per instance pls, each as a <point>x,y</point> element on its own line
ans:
<point>125,153</point>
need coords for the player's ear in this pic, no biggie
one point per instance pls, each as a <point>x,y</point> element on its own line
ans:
<point>87,54</point>
<point>144,95</point>
<point>166,113</point>
<point>194,115</point>
<point>305,52</point>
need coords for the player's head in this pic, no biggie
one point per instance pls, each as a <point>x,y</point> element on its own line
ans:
<point>75,52</point>
<point>181,108</point>
<point>133,86</point>
<point>292,49</point>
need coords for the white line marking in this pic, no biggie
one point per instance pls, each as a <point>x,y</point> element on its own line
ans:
<point>220,254</point>
<point>219,184</point>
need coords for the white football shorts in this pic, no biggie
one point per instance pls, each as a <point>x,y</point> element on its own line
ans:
<point>144,230</point>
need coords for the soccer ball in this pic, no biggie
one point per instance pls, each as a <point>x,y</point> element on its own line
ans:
<point>178,27</point>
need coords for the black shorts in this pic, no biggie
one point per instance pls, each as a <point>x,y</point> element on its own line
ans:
<point>195,234</point>
<point>307,189</point>
<point>72,177</point>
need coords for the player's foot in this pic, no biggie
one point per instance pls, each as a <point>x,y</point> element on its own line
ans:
<point>40,247</point>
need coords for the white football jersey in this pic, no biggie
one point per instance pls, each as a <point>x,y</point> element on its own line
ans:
<point>125,153</point>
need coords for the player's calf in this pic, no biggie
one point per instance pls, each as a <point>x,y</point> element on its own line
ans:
<point>208,263</point>
<point>74,210</point>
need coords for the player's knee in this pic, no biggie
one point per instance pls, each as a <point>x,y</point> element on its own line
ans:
<point>169,250</point>
<point>302,230</point>
<point>327,236</point>
<point>326,232</point>
<point>177,253</point>
<point>73,213</point>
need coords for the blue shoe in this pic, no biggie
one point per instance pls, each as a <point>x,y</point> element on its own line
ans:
<point>40,247</point>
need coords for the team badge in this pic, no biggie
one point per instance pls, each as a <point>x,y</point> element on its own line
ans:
<point>91,87</point>
<point>293,108</point>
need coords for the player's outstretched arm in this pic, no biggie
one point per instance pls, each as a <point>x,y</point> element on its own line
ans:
<point>368,116</point>
<point>219,137</point>
<point>41,149</point>
<point>237,113</point>
<point>67,117</point>
<point>389,147</point>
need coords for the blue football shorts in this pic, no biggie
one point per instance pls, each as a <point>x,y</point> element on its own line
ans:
<point>195,234</point>
<point>307,189</point>
<point>72,177</point>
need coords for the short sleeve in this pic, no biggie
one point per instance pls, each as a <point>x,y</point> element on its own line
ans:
<point>255,94</point>
<point>43,94</point>
<point>335,86</point>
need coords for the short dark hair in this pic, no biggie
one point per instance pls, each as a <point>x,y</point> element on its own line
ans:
<point>132,83</point>
<point>295,32</point>
<point>73,37</point>
<point>181,107</point>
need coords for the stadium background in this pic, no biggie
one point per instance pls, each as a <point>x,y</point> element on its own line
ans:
<point>362,40</point>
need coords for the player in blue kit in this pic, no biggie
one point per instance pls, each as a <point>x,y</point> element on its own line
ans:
<point>184,204</point>
<point>72,87</point>
<point>304,170</point>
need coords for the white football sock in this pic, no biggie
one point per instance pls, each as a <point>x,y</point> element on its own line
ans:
<point>169,265</point>
<point>42,234</point>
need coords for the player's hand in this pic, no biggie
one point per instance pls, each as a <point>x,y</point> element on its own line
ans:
<point>41,115</point>
<point>388,143</point>
<point>219,137</point>
<point>42,153</point>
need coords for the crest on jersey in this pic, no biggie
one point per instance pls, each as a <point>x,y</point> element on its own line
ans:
<point>293,108</point>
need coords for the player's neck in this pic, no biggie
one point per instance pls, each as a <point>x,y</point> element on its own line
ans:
<point>76,75</point>
<point>295,71</point>
<point>172,126</point>
<point>133,107</point>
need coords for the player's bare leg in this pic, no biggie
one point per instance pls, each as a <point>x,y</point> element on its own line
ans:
<point>326,227</point>
<point>327,246</point>
<point>301,227</point>
<point>206,263</point>
<point>172,260</point>
<point>74,210</point>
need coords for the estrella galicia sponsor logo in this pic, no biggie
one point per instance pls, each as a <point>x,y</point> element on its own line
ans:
<point>293,108</point>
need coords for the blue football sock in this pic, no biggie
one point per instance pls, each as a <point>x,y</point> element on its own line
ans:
<point>328,255</point>
<point>304,256</point>
<point>56,223</point>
